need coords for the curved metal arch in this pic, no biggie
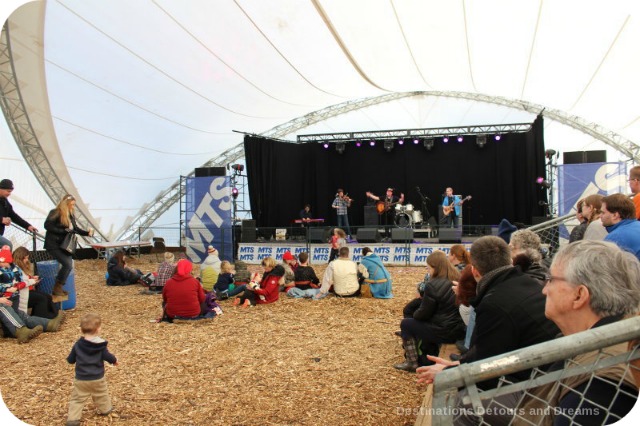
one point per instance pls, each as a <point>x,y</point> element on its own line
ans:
<point>167,198</point>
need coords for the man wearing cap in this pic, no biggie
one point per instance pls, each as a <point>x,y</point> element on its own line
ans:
<point>290,264</point>
<point>7,215</point>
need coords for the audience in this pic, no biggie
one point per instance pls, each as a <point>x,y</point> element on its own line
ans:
<point>306,281</point>
<point>510,315</point>
<point>592,283</point>
<point>634,185</point>
<point>289,264</point>
<point>577,233</point>
<point>225,287</point>
<point>437,320</point>
<point>526,252</point>
<point>265,289</point>
<point>183,296</point>
<point>459,256</point>
<point>619,217</point>
<point>591,210</point>
<point>210,269</point>
<point>338,240</point>
<point>165,270</point>
<point>342,274</point>
<point>7,215</point>
<point>118,273</point>
<point>379,280</point>
<point>465,290</point>
<point>41,304</point>
<point>59,223</point>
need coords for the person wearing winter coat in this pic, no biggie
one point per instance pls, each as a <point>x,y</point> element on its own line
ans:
<point>210,269</point>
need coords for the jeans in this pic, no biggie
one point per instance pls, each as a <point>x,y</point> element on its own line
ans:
<point>470,326</point>
<point>298,293</point>
<point>343,222</point>
<point>12,320</point>
<point>66,264</point>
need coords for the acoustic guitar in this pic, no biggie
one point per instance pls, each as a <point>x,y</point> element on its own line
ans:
<point>447,209</point>
<point>384,206</point>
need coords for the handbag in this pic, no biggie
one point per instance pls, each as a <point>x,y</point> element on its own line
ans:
<point>69,243</point>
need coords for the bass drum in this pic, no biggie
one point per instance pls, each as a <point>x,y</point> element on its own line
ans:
<point>403,220</point>
<point>416,216</point>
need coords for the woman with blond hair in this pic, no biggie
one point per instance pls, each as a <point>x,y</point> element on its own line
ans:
<point>591,210</point>
<point>41,304</point>
<point>437,320</point>
<point>59,223</point>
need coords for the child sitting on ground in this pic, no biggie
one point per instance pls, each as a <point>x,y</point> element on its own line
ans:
<point>89,354</point>
<point>225,287</point>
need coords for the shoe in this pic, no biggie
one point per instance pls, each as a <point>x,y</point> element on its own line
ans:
<point>236,301</point>
<point>24,334</point>
<point>106,413</point>
<point>455,357</point>
<point>73,422</point>
<point>54,324</point>
<point>58,290</point>
<point>398,333</point>
<point>246,303</point>
<point>407,366</point>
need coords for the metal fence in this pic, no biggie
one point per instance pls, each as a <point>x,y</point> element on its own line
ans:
<point>33,242</point>
<point>586,355</point>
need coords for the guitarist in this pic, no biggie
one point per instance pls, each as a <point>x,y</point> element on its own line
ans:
<point>450,209</point>
<point>387,208</point>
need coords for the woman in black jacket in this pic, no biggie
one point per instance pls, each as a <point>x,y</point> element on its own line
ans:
<point>120,273</point>
<point>437,320</point>
<point>58,224</point>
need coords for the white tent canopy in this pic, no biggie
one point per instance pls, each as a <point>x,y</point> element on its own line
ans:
<point>126,96</point>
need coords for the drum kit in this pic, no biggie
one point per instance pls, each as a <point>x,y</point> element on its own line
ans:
<point>407,217</point>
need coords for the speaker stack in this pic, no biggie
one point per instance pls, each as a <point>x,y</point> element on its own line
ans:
<point>248,231</point>
<point>450,235</point>
<point>368,235</point>
<point>401,235</point>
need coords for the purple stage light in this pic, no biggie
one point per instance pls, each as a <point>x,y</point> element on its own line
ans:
<point>400,141</point>
<point>416,141</point>
<point>498,137</point>
<point>358,144</point>
<point>539,180</point>
<point>445,139</point>
<point>459,138</point>
<point>325,145</point>
<point>372,143</point>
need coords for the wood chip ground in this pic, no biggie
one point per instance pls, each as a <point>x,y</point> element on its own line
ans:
<point>295,362</point>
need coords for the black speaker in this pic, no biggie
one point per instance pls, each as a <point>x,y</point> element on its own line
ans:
<point>318,235</point>
<point>209,171</point>
<point>579,157</point>
<point>248,231</point>
<point>368,235</point>
<point>401,235</point>
<point>450,235</point>
<point>370,216</point>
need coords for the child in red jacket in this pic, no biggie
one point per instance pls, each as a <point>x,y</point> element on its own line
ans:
<point>268,291</point>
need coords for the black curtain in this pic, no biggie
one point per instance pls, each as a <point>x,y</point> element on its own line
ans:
<point>500,177</point>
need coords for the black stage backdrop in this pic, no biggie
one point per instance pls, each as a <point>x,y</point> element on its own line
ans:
<point>500,177</point>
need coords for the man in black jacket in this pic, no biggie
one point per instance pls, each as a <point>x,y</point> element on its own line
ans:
<point>7,215</point>
<point>509,311</point>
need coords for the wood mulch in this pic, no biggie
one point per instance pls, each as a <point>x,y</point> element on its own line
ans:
<point>295,362</point>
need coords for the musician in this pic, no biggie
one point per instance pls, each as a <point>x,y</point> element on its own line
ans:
<point>305,215</point>
<point>341,203</point>
<point>387,208</point>
<point>451,205</point>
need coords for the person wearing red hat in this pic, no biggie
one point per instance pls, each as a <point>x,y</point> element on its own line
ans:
<point>7,215</point>
<point>290,264</point>
<point>183,296</point>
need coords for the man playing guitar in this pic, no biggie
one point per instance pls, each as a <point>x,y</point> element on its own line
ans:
<point>451,209</point>
<point>386,208</point>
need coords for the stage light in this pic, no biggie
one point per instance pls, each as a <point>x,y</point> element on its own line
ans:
<point>400,141</point>
<point>238,167</point>
<point>358,144</point>
<point>234,193</point>
<point>416,141</point>
<point>550,153</point>
<point>460,138</point>
<point>340,146</point>
<point>372,143</point>
<point>325,145</point>
<point>388,146</point>
<point>481,141</point>
<point>445,139</point>
<point>429,143</point>
<point>543,182</point>
<point>497,137</point>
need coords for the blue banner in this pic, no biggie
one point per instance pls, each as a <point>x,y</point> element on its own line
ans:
<point>208,217</point>
<point>576,181</point>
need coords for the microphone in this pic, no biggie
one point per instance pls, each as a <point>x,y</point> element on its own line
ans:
<point>542,203</point>
<point>418,188</point>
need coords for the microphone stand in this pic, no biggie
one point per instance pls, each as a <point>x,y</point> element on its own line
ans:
<point>424,206</point>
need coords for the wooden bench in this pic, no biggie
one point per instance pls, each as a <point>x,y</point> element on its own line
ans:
<point>424,414</point>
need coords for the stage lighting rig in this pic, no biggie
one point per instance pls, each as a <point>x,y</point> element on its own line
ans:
<point>388,146</point>
<point>238,168</point>
<point>234,192</point>
<point>340,146</point>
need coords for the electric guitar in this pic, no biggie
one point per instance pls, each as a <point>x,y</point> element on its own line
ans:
<point>447,209</point>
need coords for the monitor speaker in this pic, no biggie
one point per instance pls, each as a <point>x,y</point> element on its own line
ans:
<point>370,216</point>
<point>579,157</point>
<point>450,235</point>
<point>209,171</point>
<point>318,235</point>
<point>248,231</point>
<point>401,235</point>
<point>368,235</point>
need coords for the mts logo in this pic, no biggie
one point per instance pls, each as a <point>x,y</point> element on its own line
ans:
<point>246,249</point>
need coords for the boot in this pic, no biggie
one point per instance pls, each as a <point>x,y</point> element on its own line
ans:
<point>411,356</point>
<point>24,334</point>
<point>54,324</point>
<point>58,290</point>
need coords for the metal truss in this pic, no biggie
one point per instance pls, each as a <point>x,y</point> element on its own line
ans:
<point>22,130</point>
<point>417,133</point>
